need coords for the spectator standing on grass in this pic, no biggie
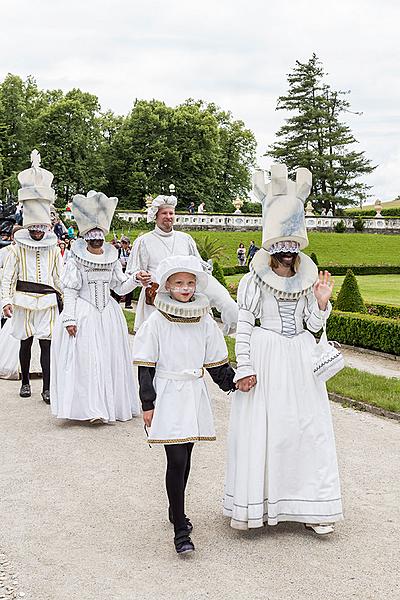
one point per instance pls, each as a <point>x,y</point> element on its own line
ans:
<point>71,232</point>
<point>123,255</point>
<point>251,251</point>
<point>241,255</point>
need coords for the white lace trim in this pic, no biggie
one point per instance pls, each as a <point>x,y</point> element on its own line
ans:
<point>82,255</point>
<point>196,308</point>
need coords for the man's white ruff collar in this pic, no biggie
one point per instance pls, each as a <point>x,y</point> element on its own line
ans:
<point>284,288</point>
<point>196,308</point>
<point>82,255</point>
<point>23,238</point>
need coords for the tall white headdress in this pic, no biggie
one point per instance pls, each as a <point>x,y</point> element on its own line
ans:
<point>36,193</point>
<point>93,211</point>
<point>157,203</point>
<point>283,205</point>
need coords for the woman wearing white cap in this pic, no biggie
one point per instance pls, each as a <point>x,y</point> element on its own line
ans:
<point>172,349</point>
<point>92,373</point>
<point>282,459</point>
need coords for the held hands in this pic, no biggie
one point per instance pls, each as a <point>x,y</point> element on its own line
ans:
<point>72,329</point>
<point>143,277</point>
<point>245,384</point>
<point>323,289</point>
<point>8,311</point>
<point>148,417</point>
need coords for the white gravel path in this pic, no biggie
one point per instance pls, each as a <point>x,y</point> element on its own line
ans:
<point>83,516</point>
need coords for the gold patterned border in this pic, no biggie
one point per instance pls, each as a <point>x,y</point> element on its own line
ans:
<point>183,440</point>
<point>141,363</point>
<point>219,363</point>
<point>180,319</point>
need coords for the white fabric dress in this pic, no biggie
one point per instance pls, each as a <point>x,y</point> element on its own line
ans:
<point>151,248</point>
<point>92,373</point>
<point>180,349</point>
<point>282,462</point>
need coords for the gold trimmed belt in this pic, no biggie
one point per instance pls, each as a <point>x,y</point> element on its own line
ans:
<point>185,375</point>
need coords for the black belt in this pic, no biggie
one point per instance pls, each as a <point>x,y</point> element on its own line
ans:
<point>40,288</point>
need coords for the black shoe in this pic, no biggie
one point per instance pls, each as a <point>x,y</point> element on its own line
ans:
<point>25,391</point>
<point>183,543</point>
<point>130,306</point>
<point>189,526</point>
<point>46,396</point>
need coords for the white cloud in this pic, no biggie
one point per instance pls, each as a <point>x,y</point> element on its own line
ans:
<point>231,52</point>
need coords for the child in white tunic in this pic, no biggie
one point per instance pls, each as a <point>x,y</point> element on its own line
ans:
<point>172,349</point>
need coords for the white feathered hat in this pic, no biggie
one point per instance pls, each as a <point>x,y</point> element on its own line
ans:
<point>283,205</point>
<point>93,211</point>
<point>181,264</point>
<point>36,193</point>
<point>157,203</point>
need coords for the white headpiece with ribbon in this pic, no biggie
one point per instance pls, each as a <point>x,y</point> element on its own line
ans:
<point>157,203</point>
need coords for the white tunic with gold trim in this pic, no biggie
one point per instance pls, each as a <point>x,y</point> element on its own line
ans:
<point>37,262</point>
<point>180,348</point>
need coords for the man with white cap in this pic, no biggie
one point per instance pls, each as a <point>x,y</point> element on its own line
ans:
<point>31,287</point>
<point>92,373</point>
<point>150,248</point>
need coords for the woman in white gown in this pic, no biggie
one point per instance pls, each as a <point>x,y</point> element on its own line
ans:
<point>92,372</point>
<point>282,458</point>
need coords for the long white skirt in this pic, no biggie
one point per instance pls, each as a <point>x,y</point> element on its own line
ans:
<point>92,373</point>
<point>9,354</point>
<point>282,462</point>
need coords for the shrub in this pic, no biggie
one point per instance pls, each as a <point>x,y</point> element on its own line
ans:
<point>387,311</point>
<point>209,249</point>
<point>314,258</point>
<point>218,274</point>
<point>340,227</point>
<point>358,225</point>
<point>238,269</point>
<point>349,298</point>
<point>362,269</point>
<point>365,331</point>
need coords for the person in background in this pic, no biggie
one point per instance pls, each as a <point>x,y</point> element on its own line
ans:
<point>71,233</point>
<point>201,208</point>
<point>58,229</point>
<point>65,253</point>
<point>123,255</point>
<point>251,251</point>
<point>191,208</point>
<point>241,255</point>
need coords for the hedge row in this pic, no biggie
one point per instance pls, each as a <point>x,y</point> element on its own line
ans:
<point>235,270</point>
<point>365,331</point>
<point>333,269</point>
<point>386,212</point>
<point>387,311</point>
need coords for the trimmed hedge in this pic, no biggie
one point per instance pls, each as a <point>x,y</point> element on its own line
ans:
<point>388,311</point>
<point>365,331</point>
<point>237,270</point>
<point>333,269</point>
<point>349,298</point>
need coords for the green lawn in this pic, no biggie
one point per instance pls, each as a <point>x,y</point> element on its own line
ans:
<point>330,248</point>
<point>378,289</point>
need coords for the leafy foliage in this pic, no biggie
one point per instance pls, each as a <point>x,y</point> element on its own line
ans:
<point>340,227</point>
<point>365,331</point>
<point>218,273</point>
<point>314,258</point>
<point>349,298</point>
<point>210,249</point>
<point>358,225</point>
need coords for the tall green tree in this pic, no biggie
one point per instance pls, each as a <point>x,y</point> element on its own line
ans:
<point>314,136</point>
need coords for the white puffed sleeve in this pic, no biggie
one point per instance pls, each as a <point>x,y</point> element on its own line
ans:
<point>145,345</point>
<point>139,257</point>
<point>120,283</point>
<point>71,281</point>
<point>314,317</point>
<point>216,352</point>
<point>249,300</point>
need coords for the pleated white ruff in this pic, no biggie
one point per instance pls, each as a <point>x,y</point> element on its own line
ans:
<point>282,462</point>
<point>92,374</point>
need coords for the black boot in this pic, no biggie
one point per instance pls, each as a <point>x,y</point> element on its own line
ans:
<point>46,396</point>
<point>183,543</point>
<point>189,526</point>
<point>25,391</point>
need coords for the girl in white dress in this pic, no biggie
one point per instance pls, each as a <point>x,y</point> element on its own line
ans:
<point>282,459</point>
<point>92,373</point>
<point>172,349</point>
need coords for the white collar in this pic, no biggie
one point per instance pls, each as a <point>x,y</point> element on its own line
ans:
<point>80,252</point>
<point>196,308</point>
<point>284,288</point>
<point>162,233</point>
<point>22,238</point>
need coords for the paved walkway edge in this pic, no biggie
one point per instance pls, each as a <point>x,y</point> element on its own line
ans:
<point>369,351</point>
<point>364,406</point>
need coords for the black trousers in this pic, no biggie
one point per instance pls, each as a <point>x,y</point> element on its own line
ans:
<point>178,469</point>
<point>25,352</point>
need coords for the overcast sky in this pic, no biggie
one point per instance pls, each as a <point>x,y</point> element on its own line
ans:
<point>234,53</point>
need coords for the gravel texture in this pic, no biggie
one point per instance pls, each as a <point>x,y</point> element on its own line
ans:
<point>83,516</point>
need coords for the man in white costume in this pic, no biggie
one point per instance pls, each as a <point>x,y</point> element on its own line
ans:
<point>151,248</point>
<point>31,287</point>
<point>282,458</point>
<point>92,372</point>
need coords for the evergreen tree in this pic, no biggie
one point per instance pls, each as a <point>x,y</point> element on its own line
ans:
<point>316,138</point>
<point>349,298</point>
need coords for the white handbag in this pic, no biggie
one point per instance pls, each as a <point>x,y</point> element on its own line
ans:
<point>326,359</point>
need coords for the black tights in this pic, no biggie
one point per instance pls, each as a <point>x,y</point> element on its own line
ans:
<point>25,360</point>
<point>178,469</point>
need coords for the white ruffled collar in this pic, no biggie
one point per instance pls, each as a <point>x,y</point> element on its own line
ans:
<point>197,308</point>
<point>285,288</point>
<point>22,238</point>
<point>80,252</point>
<point>162,233</point>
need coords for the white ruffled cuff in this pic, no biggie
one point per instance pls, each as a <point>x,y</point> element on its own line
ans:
<point>244,371</point>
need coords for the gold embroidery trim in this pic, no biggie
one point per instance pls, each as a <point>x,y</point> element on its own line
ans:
<point>144,364</point>
<point>183,440</point>
<point>219,363</point>
<point>180,319</point>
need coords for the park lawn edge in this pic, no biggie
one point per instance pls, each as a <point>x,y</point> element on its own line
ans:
<point>358,389</point>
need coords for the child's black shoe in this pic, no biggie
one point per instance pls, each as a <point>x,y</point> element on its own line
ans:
<point>183,543</point>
